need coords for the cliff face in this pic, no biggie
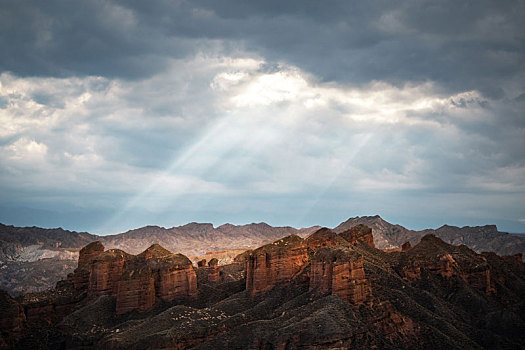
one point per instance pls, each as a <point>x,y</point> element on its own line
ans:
<point>334,268</point>
<point>359,233</point>
<point>137,281</point>
<point>136,293</point>
<point>274,263</point>
<point>105,272</point>
<point>155,273</point>
<point>80,276</point>
<point>340,271</point>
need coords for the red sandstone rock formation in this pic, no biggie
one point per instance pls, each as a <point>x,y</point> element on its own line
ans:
<point>448,261</point>
<point>213,271</point>
<point>340,271</point>
<point>275,263</point>
<point>201,263</point>
<point>106,271</point>
<point>137,281</point>
<point>136,292</point>
<point>324,237</point>
<point>359,233</point>
<point>154,274</point>
<point>80,276</point>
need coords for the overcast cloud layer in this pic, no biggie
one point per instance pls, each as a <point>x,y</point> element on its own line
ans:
<point>120,114</point>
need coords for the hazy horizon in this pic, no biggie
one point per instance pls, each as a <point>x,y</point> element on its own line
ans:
<point>216,224</point>
<point>117,115</point>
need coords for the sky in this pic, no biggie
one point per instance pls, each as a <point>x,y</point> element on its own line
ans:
<point>120,114</point>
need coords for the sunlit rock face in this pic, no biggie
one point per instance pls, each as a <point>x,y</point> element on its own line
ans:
<point>137,281</point>
<point>80,276</point>
<point>274,263</point>
<point>359,233</point>
<point>154,274</point>
<point>324,237</point>
<point>339,271</point>
<point>106,272</point>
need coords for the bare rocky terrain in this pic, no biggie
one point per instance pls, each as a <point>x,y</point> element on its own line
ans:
<point>34,259</point>
<point>326,291</point>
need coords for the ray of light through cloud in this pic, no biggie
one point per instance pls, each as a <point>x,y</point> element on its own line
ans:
<point>193,111</point>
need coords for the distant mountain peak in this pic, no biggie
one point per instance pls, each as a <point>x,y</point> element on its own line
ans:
<point>155,251</point>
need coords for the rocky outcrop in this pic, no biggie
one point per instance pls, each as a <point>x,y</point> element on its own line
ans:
<point>201,263</point>
<point>438,305</point>
<point>340,271</point>
<point>154,274</point>
<point>324,237</point>
<point>213,271</point>
<point>406,246</point>
<point>274,263</point>
<point>106,271</point>
<point>448,261</point>
<point>138,282</point>
<point>359,233</point>
<point>80,276</point>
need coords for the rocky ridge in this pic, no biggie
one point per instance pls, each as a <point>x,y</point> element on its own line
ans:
<point>478,238</point>
<point>34,259</point>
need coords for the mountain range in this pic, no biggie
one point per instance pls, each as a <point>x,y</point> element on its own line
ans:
<point>34,259</point>
<point>330,290</point>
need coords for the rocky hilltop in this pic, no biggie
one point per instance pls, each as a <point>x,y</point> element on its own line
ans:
<point>137,281</point>
<point>324,291</point>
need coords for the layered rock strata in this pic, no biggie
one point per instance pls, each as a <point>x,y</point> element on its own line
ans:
<point>359,233</point>
<point>80,277</point>
<point>154,274</point>
<point>275,263</point>
<point>138,281</point>
<point>339,271</point>
<point>106,271</point>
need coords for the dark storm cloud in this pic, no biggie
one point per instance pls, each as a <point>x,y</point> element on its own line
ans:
<point>467,45</point>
